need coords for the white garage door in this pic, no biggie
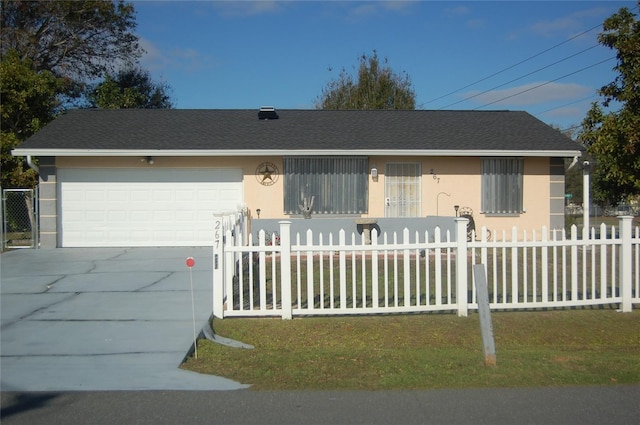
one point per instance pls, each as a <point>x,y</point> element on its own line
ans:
<point>144,207</point>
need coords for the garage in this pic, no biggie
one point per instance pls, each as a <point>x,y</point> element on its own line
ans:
<point>143,206</point>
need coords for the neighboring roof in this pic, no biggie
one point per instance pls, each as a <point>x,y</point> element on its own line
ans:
<point>91,132</point>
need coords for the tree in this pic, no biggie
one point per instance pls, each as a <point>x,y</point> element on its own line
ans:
<point>28,102</point>
<point>131,88</point>
<point>49,50</point>
<point>72,39</point>
<point>376,87</point>
<point>613,138</point>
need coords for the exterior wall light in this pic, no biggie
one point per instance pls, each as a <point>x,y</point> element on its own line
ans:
<point>150,160</point>
<point>374,173</point>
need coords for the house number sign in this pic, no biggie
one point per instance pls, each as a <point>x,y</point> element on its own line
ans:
<point>267,173</point>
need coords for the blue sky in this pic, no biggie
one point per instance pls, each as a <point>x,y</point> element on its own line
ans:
<point>459,55</point>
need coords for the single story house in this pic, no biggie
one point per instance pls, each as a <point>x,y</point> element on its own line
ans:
<point>155,177</point>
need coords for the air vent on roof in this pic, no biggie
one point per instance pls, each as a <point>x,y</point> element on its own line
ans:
<point>267,113</point>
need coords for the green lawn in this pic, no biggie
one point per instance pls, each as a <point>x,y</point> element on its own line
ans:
<point>422,351</point>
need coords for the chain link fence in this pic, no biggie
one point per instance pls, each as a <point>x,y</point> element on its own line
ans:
<point>19,218</point>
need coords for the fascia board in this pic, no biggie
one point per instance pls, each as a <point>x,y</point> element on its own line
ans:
<point>301,152</point>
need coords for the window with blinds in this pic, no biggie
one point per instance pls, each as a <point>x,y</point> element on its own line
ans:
<point>338,185</point>
<point>502,185</point>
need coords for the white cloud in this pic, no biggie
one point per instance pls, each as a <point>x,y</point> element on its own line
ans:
<point>464,12</point>
<point>186,59</point>
<point>153,59</point>
<point>570,24</point>
<point>459,10</point>
<point>360,10</point>
<point>363,10</point>
<point>242,8</point>
<point>553,27</point>
<point>535,93</point>
<point>398,5</point>
<point>476,23</point>
<point>569,111</point>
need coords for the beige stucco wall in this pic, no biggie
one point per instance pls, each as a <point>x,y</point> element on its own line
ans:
<point>450,181</point>
<point>456,177</point>
<point>446,181</point>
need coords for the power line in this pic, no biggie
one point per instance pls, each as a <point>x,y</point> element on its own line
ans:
<point>521,77</point>
<point>566,104</point>
<point>516,64</point>
<point>519,63</point>
<point>573,127</point>
<point>544,84</point>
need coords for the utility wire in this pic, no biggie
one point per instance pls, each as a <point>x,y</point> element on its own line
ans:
<point>566,104</point>
<point>544,84</point>
<point>519,78</point>
<point>572,128</point>
<point>514,65</point>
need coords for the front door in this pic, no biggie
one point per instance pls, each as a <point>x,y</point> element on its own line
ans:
<point>402,189</point>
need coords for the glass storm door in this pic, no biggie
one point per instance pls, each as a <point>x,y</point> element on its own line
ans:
<point>402,189</point>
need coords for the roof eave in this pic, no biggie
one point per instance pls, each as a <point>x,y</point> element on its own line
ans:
<point>300,152</point>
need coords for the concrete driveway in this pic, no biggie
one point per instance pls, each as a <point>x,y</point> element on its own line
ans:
<point>102,319</point>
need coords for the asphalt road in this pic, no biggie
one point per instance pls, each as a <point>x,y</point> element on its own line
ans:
<point>618,404</point>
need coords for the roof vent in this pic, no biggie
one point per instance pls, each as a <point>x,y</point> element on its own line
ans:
<point>267,113</point>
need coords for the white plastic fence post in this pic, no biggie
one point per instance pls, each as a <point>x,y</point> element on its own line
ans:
<point>574,264</point>
<point>218,270</point>
<point>245,227</point>
<point>625,263</point>
<point>407,268</point>
<point>374,269</point>
<point>515,295</point>
<point>285,269</point>
<point>586,204</point>
<point>461,266</point>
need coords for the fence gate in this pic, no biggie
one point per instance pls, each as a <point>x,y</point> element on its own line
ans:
<point>19,218</point>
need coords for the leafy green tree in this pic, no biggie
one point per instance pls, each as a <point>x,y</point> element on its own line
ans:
<point>28,96</point>
<point>376,86</point>
<point>15,174</point>
<point>131,88</point>
<point>49,50</point>
<point>613,138</point>
<point>28,102</point>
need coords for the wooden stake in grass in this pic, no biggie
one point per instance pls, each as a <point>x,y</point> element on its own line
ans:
<point>190,263</point>
<point>482,293</point>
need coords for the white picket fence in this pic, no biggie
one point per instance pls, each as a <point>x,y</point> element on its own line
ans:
<point>422,272</point>
<point>235,222</point>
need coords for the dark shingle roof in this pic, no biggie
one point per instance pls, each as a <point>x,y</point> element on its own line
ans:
<point>182,129</point>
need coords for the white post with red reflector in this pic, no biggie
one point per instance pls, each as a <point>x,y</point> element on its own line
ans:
<point>190,263</point>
